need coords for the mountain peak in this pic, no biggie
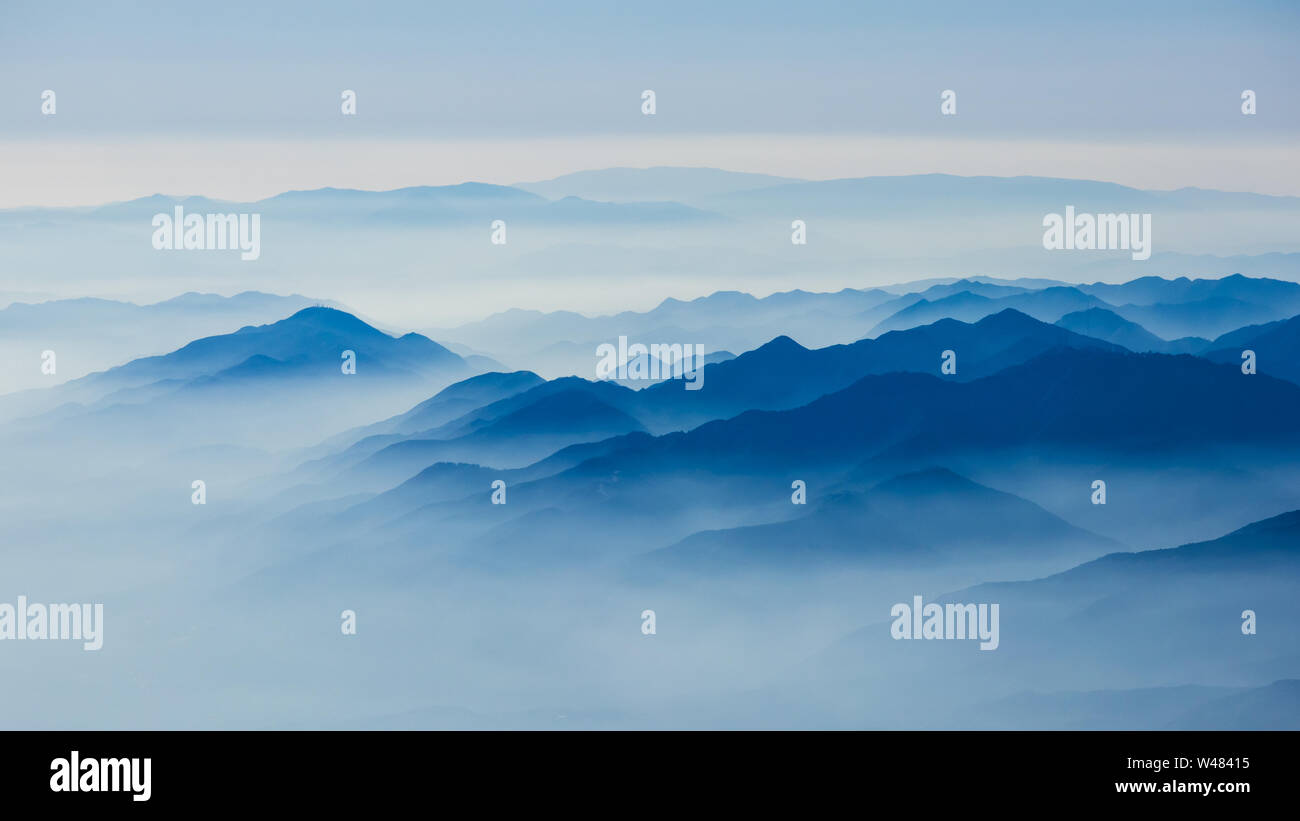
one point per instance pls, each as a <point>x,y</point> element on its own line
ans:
<point>333,318</point>
<point>781,344</point>
<point>1009,318</point>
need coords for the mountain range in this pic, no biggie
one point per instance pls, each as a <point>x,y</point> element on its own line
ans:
<point>692,231</point>
<point>770,518</point>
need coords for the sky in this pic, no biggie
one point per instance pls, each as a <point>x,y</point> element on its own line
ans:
<point>242,100</point>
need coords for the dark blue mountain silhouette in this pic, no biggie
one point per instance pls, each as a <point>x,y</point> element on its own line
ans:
<point>1276,346</point>
<point>647,491</point>
<point>783,374</point>
<point>1102,323</point>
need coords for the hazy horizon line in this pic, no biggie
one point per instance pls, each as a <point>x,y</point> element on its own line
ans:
<point>516,185</point>
<point>54,172</point>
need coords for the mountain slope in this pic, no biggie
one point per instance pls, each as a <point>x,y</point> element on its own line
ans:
<point>1133,620</point>
<point>912,521</point>
<point>514,440</point>
<point>1276,346</point>
<point>90,335</point>
<point>280,384</point>
<point>783,374</point>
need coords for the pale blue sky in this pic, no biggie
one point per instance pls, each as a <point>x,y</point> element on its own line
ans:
<point>1098,75</point>
<point>1098,70</point>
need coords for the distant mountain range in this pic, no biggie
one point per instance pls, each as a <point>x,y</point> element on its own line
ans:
<point>691,230</point>
<point>731,191</point>
<point>88,335</point>
<point>692,193</point>
<point>414,206</point>
<point>1184,313</point>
